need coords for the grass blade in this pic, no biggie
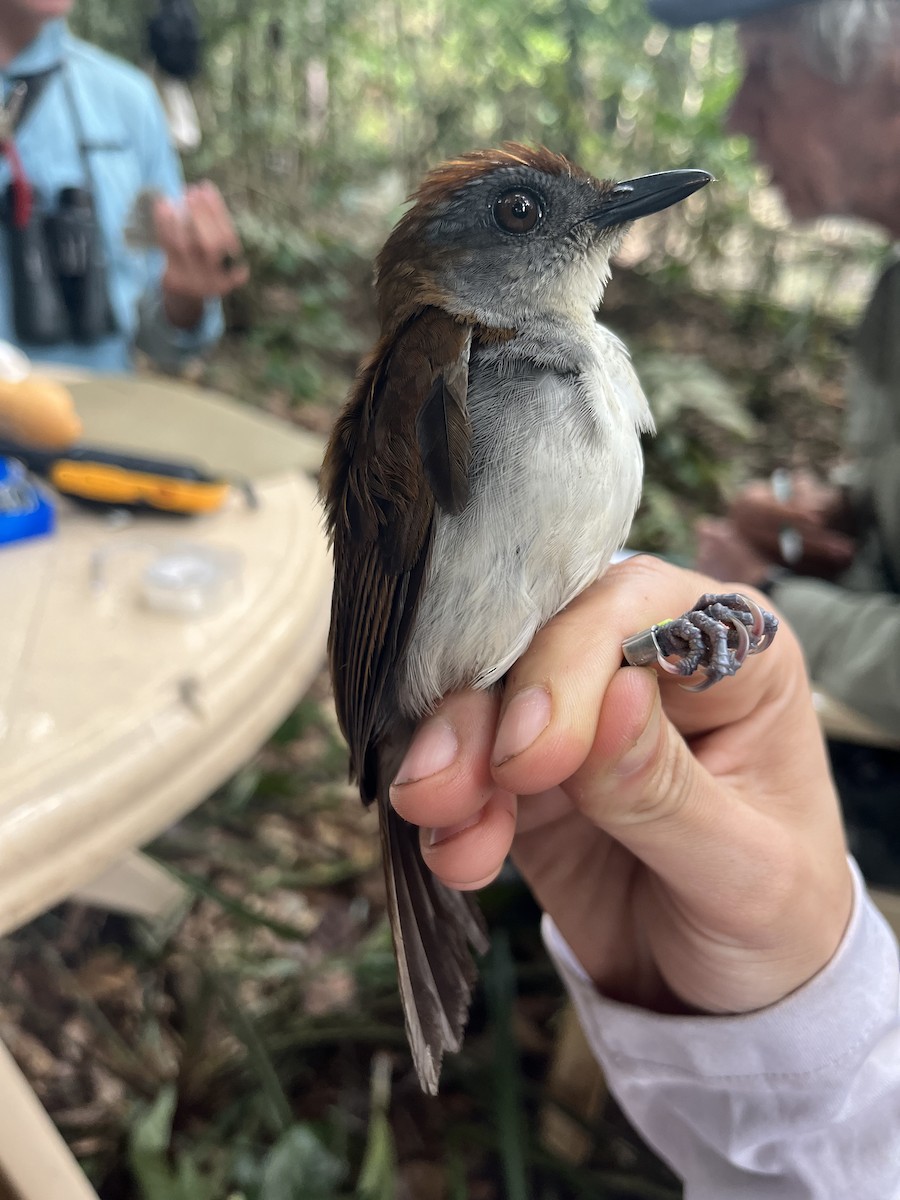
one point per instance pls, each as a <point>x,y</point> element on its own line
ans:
<point>500,985</point>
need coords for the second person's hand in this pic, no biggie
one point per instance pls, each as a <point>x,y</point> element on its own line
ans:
<point>203,253</point>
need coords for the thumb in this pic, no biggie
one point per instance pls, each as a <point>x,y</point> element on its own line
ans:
<point>642,785</point>
<point>639,769</point>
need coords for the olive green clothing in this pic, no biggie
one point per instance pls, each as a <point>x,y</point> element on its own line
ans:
<point>850,630</point>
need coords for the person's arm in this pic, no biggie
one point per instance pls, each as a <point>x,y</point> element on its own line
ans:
<point>851,638</point>
<point>820,515</point>
<point>180,313</point>
<point>797,1099</point>
<point>851,642</point>
<point>689,849</point>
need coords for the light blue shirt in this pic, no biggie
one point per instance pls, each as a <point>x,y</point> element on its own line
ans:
<point>129,149</point>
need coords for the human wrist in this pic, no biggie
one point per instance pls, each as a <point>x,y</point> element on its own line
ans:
<point>181,310</point>
<point>658,1001</point>
<point>771,578</point>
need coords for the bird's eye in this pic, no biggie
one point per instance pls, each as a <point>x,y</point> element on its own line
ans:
<point>517,211</point>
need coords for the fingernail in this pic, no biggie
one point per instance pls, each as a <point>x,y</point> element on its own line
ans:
<point>436,836</point>
<point>526,717</point>
<point>432,749</point>
<point>644,748</point>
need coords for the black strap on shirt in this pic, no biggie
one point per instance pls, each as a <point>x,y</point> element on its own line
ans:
<point>35,84</point>
<point>19,196</point>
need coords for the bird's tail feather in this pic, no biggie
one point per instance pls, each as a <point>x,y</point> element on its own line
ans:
<point>433,927</point>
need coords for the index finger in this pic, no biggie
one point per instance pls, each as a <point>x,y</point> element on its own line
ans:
<point>171,228</point>
<point>555,692</point>
<point>444,785</point>
<point>211,225</point>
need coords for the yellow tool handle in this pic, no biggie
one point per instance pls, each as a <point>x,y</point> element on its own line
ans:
<point>110,484</point>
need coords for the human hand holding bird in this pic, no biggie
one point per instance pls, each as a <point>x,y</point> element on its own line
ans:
<point>688,848</point>
<point>484,470</point>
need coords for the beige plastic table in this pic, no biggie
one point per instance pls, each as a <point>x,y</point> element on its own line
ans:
<point>116,719</point>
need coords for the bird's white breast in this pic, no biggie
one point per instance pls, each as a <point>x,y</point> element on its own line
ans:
<point>555,480</point>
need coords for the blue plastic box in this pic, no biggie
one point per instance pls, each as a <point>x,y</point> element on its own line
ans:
<point>24,510</point>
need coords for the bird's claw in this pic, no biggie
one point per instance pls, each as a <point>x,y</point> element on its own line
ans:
<point>716,636</point>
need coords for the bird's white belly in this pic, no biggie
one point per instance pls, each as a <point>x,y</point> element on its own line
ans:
<point>556,478</point>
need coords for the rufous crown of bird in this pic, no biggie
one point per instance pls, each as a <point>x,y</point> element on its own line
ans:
<point>486,467</point>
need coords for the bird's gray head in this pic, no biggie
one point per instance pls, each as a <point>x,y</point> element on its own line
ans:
<point>501,235</point>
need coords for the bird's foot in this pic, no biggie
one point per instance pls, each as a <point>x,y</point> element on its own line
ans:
<point>715,636</point>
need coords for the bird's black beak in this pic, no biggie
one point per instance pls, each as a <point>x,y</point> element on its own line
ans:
<point>647,194</point>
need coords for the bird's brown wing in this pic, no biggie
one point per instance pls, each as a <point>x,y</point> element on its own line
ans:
<point>380,491</point>
<point>401,446</point>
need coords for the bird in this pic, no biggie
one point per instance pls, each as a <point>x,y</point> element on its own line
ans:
<point>485,468</point>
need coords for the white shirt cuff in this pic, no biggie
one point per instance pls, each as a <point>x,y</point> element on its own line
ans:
<point>805,1031</point>
<point>798,1099</point>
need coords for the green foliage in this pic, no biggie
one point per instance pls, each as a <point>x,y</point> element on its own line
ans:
<point>160,1174</point>
<point>682,384</point>
<point>377,1175</point>
<point>300,1167</point>
<point>304,283</point>
<point>303,105</point>
<point>511,1131</point>
<point>318,118</point>
<point>701,420</point>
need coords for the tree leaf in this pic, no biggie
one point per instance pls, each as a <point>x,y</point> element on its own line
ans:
<point>300,1167</point>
